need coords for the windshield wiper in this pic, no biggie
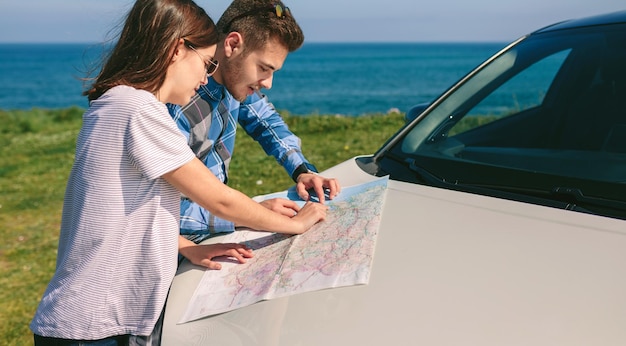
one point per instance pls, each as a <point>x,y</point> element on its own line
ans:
<point>422,174</point>
<point>568,198</point>
<point>576,196</point>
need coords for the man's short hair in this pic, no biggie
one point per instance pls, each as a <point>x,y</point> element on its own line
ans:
<point>258,21</point>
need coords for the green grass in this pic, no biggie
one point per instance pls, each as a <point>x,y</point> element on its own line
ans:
<point>36,154</point>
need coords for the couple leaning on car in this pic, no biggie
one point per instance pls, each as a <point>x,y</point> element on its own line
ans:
<point>133,163</point>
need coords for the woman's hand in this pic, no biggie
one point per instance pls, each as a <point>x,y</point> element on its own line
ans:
<point>281,206</point>
<point>309,215</point>
<point>204,255</point>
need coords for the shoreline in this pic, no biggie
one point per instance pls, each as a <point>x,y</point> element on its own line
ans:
<point>282,112</point>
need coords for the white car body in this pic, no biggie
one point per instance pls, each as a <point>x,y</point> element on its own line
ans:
<point>450,268</point>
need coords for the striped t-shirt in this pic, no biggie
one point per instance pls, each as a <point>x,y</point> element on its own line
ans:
<point>118,245</point>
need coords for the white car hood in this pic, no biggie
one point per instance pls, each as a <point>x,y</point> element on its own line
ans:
<point>450,268</point>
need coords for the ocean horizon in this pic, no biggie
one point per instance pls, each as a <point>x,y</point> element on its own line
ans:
<point>320,78</point>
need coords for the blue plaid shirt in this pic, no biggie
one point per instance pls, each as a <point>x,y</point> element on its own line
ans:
<point>209,122</point>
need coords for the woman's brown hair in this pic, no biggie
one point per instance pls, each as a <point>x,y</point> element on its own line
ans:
<point>147,43</point>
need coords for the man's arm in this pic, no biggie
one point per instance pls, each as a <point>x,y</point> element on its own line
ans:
<point>264,124</point>
<point>258,117</point>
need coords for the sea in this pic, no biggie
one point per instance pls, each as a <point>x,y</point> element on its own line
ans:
<point>349,79</point>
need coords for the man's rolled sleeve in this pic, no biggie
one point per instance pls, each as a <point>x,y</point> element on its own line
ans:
<point>261,121</point>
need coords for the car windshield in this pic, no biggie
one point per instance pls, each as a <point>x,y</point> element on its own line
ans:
<point>545,117</point>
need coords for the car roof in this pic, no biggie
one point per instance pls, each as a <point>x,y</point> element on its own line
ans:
<point>602,19</point>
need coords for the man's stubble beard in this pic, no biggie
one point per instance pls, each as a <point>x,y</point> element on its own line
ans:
<point>232,72</point>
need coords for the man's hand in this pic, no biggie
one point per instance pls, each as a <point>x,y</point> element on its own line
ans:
<point>321,186</point>
<point>203,255</point>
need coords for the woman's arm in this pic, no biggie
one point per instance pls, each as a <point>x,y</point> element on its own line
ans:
<point>196,182</point>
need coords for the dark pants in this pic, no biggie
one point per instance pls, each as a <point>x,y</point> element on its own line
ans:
<point>120,340</point>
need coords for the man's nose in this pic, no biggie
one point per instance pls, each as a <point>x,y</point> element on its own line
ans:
<point>267,82</point>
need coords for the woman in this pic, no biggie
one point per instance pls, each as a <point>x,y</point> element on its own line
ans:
<point>119,237</point>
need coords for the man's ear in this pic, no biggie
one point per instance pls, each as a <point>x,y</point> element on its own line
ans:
<point>233,44</point>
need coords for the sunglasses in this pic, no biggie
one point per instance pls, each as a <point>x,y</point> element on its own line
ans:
<point>277,8</point>
<point>210,66</point>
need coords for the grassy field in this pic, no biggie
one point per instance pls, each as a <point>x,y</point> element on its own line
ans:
<point>36,154</point>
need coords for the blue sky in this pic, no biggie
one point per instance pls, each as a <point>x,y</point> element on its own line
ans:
<point>322,20</point>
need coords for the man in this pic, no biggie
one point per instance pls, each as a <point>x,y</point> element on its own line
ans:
<point>255,38</point>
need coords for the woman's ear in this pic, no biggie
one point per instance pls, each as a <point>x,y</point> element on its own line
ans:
<point>178,49</point>
<point>233,44</point>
